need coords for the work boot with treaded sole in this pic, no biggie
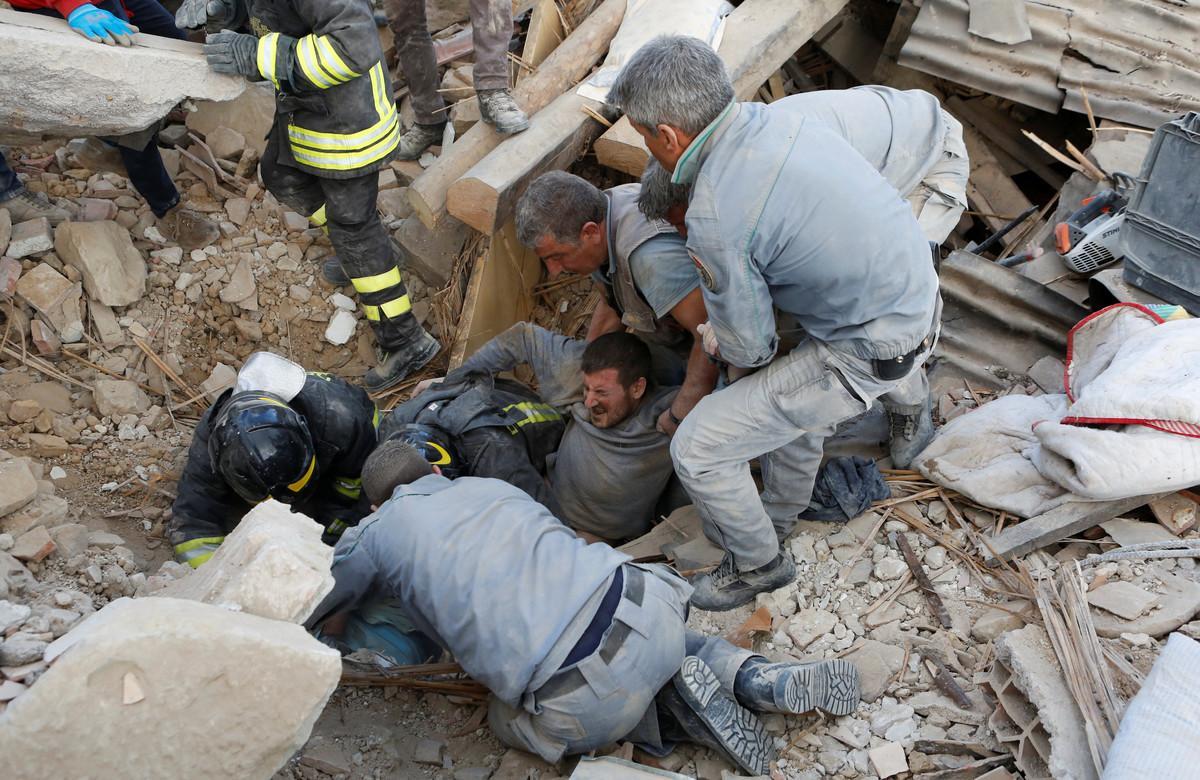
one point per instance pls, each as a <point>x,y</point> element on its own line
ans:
<point>26,205</point>
<point>726,588</point>
<point>399,362</point>
<point>332,272</point>
<point>795,688</point>
<point>188,229</point>
<point>911,431</point>
<point>737,730</point>
<point>498,109</point>
<point>417,139</point>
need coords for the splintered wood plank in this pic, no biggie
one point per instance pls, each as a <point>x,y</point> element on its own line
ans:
<point>1056,525</point>
<point>545,33</point>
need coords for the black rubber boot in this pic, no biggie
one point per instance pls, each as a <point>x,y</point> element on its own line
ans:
<point>704,714</point>
<point>402,360</point>
<point>726,588</point>
<point>498,109</point>
<point>332,272</point>
<point>417,139</point>
<point>794,688</point>
<point>911,431</point>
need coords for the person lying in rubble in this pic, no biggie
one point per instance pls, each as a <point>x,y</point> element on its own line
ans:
<point>108,22</point>
<point>336,125</point>
<point>834,247</point>
<point>611,476</point>
<point>299,437</point>
<point>473,423</point>
<point>23,205</point>
<point>580,647</point>
<point>642,265</point>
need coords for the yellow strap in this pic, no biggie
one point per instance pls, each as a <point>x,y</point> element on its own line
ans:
<point>299,484</point>
<point>370,284</point>
<point>268,47</point>
<point>318,217</point>
<point>192,544</point>
<point>444,459</point>
<point>392,309</point>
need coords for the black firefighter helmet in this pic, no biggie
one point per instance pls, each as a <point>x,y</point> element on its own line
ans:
<point>437,447</point>
<point>262,448</point>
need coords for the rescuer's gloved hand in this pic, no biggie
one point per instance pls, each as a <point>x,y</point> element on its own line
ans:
<point>233,53</point>
<point>101,26</point>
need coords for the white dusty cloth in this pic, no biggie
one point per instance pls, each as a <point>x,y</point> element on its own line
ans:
<point>1129,425</point>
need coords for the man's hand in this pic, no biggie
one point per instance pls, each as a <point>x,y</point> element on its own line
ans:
<point>665,424</point>
<point>709,338</point>
<point>101,26</point>
<point>210,14</point>
<point>233,53</point>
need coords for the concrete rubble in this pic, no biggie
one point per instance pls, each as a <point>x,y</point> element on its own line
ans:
<point>147,687</point>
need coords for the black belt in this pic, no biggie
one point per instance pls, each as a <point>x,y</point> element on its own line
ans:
<point>566,680</point>
<point>600,622</point>
<point>891,369</point>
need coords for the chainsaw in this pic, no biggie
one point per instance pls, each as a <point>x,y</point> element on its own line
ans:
<point>1088,239</point>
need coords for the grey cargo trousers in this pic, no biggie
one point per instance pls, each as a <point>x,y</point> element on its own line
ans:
<point>609,695</point>
<point>492,29</point>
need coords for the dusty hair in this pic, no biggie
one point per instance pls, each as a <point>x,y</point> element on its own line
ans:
<point>393,463</point>
<point>558,204</point>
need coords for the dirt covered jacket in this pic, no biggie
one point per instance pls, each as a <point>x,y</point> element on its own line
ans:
<point>334,106</point>
<point>341,420</point>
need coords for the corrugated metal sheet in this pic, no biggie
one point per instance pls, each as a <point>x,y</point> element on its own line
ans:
<point>1138,59</point>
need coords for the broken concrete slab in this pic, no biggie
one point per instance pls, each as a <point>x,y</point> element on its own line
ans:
<point>1047,373</point>
<point>431,253</point>
<point>994,621</point>
<point>219,380</point>
<point>1126,531</point>
<point>877,664</point>
<point>17,485</point>
<point>273,565</point>
<point>1123,599</point>
<point>85,89</point>
<point>1176,513</point>
<point>241,692</point>
<point>225,143</point>
<point>809,625</point>
<point>30,237</point>
<point>44,510</point>
<point>250,114</point>
<point>888,759</point>
<point>114,271</point>
<point>1177,604</point>
<point>44,288</point>
<point>118,397</point>
<point>33,545</point>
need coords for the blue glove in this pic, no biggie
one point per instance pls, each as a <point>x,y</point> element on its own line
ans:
<point>233,53</point>
<point>101,26</point>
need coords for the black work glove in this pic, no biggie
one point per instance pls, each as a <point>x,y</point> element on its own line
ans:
<point>233,53</point>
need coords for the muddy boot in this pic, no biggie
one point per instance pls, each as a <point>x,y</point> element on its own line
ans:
<point>332,272</point>
<point>911,429</point>
<point>709,716</point>
<point>417,139</point>
<point>407,358</point>
<point>498,109</point>
<point>26,205</point>
<point>188,229</point>
<point>794,688</point>
<point>726,588</point>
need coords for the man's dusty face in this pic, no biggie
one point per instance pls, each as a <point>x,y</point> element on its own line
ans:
<point>581,258</point>
<point>677,216</point>
<point>609,402</point>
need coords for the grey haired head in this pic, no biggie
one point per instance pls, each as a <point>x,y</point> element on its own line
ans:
<point>558,204</point>
<point>673,80</point>
<point>658,194</point>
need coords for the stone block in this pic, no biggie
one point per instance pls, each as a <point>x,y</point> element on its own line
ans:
<point>107,327</point>
<point>47,445</point>
<point>114,271</point>
<point>219,380</point>
<point>250,114</point>
<point>170,688</point>
<point>44,289</point>
<point>877,664</point>
<point>70,539</point>
<point>118,397</point>
<point>888,759</point>
<point>10,272</point>
<point>85,89</point>
<point>226,143</point>
<point>431,253</point>
<point>17,486</point>
<point>1127,531</point>
<point>23,410</point>
<point>1177,602</point>
<point>1123,599</point>
<point>45,340</point>
<point>995,621</point>
<point>33,545</point>
<point>273,565</point>
<point>1048,374</point>
<point>30,237</point>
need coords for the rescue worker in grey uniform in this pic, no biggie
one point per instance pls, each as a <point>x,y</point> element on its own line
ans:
<point>612,472</point>
<point>336,125</point>
<point>579,646</point>
<point>491,31</point>
<point>642,265</point>
<point>476,424</point>
<point>783,213</point>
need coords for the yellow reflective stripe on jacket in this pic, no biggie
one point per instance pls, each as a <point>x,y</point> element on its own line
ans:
<point>392,309</point>
<point>268,48</point>
<point>370,284</point>
<point>336,528</point>
<point>331,60</point>
<point>320,63</point>
<point>318,217</point>
<point>347,151</point>
<point>194,552</point>
<point>534,412</point>
<point>350,488</point>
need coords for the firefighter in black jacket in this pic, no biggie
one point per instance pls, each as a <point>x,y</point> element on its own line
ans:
<point>280,432</point>
<point>336,125</point>
<point>476,425</point>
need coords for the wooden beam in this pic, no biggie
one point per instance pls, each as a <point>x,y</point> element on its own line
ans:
<point>486,196</point>
<point>1056,525</point>
<point>759,37</point>
<point>558,72</point>
<point>499,294</point>
<point>1003,131</point>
